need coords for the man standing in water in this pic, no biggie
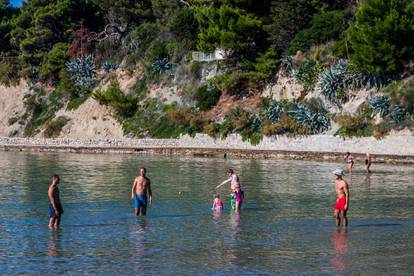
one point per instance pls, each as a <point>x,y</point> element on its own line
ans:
<point>55,206</point>
<point>141,189</point>
<point>342,195</point>
<point>237,195</point>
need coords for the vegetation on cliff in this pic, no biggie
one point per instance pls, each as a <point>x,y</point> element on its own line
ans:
<point>330,46</point>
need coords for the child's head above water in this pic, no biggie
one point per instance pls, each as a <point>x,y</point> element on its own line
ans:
<point>216,196</point>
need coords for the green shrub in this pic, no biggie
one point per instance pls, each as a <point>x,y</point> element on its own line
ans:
<point>13,120</point>
<point>123,105</point>
<point>74,103</point>
<point>54,127</point>
<point>207,96</point>
<point>359,125</point>
<point>325,26</point>
<point>382,36</point>
<point>139,89</point>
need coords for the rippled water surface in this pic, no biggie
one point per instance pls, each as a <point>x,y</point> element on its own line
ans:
<point>285,227</point>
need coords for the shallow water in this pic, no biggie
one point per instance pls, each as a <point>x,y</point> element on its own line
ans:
<point>285,226</point>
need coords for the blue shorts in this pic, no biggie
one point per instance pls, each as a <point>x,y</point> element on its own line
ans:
<point>52,213</point>
<point>140,201</point>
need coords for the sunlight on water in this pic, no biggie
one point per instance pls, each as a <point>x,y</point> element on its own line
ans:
<point>285,227</point>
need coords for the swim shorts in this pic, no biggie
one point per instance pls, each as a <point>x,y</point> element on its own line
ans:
<point>140,201</point>
<point>52,213</point>
<point>232,200</point>
<point>340,204</point>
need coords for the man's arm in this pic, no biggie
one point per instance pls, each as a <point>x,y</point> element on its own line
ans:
<point>51,198</point>
<point>149,191</point>
<point>224,182</point>
<point>346,190</point>
<point>133,188</point>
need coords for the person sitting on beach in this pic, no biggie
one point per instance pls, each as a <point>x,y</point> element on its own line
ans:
<point>368,163</point>
<point>349,159</point>
<point>217,204</point>
<point>237,195</point>
<point>141,190</point>
<point>342,198</point>
<point>55,205</point>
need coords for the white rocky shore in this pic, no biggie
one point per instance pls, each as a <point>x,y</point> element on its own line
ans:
<point>391,145</point>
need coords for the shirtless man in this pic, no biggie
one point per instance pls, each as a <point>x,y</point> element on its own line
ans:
<point>235,189</point>
<point>342,195</point>
<point>140,189</point>
<point>55,206</point>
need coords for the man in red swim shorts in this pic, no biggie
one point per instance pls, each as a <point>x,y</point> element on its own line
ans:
<point>342,201</point>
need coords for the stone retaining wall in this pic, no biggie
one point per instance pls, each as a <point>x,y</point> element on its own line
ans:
<point>395,149</point>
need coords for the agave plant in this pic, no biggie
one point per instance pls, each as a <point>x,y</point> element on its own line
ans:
<point>288,63</point>
<point>316,122</point>
<point>274,111</point>
<point>107,66</point>
<point>161,65</point>
<point>332,80</point>
<point>257,122</point>
<point>398,114</point>
<point>380,104</point>
<point>83,70</point>
<point>366,80</point>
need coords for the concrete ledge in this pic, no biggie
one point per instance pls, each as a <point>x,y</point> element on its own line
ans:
<point>211,152</point>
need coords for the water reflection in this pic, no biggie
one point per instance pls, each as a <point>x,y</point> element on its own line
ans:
<point>340,244</point>
<point>53,248</point>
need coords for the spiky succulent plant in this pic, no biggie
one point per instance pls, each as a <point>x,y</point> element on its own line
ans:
<point>398,114</point>
<point>83,70</point>
<point>380,104</point>
<point>161,65</point>
<point>107,66</point>
<point>274,111</point>
<point>333,80</point>
<point>316,121</point>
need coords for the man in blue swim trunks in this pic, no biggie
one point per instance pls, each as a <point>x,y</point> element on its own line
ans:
<point>55,206</point>
<point>141,190</point>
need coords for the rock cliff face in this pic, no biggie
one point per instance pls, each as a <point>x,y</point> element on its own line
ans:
<point>11,107</point>
<point>94,121</point>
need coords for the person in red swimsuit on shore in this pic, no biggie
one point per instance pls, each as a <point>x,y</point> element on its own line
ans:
<point>342,195</point>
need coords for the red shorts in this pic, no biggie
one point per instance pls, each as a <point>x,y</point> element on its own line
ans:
<point>340,204</point>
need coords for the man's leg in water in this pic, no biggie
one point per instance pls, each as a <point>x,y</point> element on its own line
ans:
<point>57,221</point>
<point>344,218</point>
<point>136,211</point>
<point>144,210</point>
<point>337,218</point>
<point>51,222</point>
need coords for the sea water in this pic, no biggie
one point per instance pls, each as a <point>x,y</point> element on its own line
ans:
<point>285,226</point>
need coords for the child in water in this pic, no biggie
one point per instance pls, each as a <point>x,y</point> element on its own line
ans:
<point>217,204</point>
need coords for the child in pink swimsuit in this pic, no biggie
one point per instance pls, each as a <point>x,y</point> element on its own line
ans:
<point>217,204</point>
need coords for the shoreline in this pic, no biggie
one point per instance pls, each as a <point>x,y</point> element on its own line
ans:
<point>209,147</point>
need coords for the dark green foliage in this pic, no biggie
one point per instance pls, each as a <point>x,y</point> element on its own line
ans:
<point>382,36</point>
<point>227,26</point>
<point>207,96</point>
<point>288,17</point>
<point>307,73</point>
<point>359,125</point>
<point>13,120</point>
<point>55,61</point>
<point>40,109</point>
<point>54,127</point>
<point>124,105</point>
<point>325,26</point>
<point>402,93</point>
